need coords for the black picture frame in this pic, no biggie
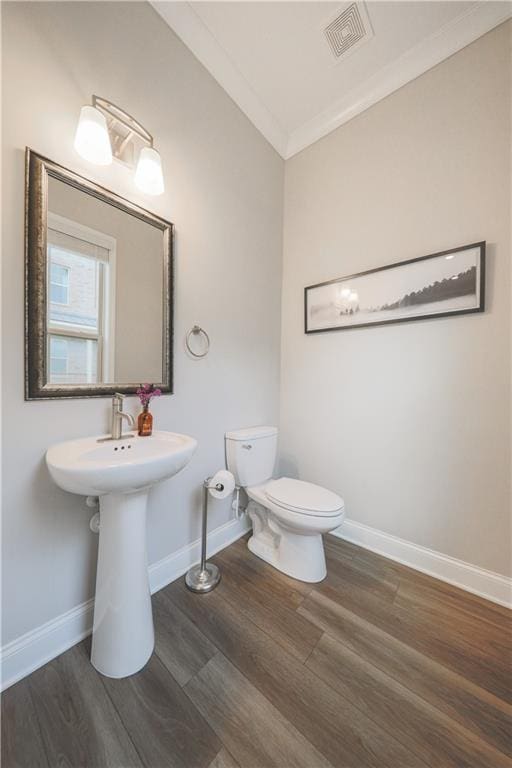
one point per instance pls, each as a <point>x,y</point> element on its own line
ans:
<point>450,253</point>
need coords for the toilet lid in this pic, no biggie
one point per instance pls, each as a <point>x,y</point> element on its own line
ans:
<point>306,498</point>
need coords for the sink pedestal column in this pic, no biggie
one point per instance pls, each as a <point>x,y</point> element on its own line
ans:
<point>123,636</point>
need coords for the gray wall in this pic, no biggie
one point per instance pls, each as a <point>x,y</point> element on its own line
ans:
<point>410,423</point>
<point>223,192</point>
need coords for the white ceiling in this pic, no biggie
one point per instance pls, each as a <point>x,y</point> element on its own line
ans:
<point>273,59</point>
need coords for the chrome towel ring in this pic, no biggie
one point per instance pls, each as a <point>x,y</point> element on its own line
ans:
<point>196,330</point>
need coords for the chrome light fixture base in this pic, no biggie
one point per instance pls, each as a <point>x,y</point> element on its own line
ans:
<point>127,136</point>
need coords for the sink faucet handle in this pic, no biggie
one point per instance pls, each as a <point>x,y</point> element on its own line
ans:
<point>118,415</point>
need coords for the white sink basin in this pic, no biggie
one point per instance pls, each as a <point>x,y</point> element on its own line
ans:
<point>93,468</point>
<point>121,473</point>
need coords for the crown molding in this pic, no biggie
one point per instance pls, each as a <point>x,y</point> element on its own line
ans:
<point>452,37</point>
<point>185,22</point>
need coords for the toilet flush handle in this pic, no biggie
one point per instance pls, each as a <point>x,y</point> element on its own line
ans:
<point>247,447</point>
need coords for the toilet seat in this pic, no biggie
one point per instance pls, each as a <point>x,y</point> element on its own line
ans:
<point>304,498</point>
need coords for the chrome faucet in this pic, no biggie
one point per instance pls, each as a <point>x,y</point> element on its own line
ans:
<point>118,415</point>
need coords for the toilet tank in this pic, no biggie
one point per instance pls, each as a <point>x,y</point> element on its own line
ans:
<point>251,454</point>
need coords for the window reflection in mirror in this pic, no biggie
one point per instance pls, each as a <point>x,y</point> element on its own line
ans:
<point>104,292</point>
<point>81,281</point>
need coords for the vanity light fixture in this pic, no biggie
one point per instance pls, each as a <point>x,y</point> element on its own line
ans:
<point>148,176</point>
<point>106,131</point>
<point>92,141</point>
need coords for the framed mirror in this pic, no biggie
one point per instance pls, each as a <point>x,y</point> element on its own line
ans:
<point>99,289</point>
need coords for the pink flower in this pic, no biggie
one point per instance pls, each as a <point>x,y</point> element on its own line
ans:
<point>146,392</point>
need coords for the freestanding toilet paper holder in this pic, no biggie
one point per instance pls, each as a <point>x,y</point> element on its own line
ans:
<point>205,576</point>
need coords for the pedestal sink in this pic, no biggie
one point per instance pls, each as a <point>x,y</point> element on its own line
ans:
<point>121,473</point>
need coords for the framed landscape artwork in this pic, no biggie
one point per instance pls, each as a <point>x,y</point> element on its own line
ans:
<point>441,284</point>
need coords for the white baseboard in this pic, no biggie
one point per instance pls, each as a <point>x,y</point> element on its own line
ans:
<point>27,653</point>
<point>487,584</point>
<point>39,646</point>
<point>170,568</point>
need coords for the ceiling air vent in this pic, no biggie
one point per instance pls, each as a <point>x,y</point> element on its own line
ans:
<point>348,30</point>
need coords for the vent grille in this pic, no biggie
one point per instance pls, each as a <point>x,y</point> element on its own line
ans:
<point>349,29</point>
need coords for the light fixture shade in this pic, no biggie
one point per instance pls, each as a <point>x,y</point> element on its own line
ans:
<point>148,176</point>
<point>92,141</point>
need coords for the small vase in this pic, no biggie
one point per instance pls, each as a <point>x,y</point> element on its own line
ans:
<point>145,422</point>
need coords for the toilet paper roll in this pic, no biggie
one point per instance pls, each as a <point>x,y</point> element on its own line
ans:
<point>224,478</point>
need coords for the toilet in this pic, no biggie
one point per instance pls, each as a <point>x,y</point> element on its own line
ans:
<point>288,516</point>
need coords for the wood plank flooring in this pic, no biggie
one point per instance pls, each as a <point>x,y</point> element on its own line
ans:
<point>378,666</point>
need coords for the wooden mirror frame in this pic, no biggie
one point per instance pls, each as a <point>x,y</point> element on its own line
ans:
<point>38,170</point>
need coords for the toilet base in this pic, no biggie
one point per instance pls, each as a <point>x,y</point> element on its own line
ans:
<point>298,555</point>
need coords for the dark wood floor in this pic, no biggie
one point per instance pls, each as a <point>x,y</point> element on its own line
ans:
<point>376,666</point>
